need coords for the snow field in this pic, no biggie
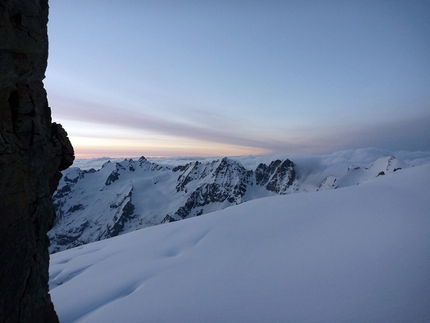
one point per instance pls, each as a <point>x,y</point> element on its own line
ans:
<point>356,254</point>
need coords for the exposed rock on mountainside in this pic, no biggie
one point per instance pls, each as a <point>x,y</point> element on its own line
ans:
<point>129,195</point>
<point>122,197</point>
<point>278,177</point>
<point>328,183</point>
<point>33,151</point>
<point>227,184</point>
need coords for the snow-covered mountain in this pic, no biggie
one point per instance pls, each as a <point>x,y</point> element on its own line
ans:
<point>356,254</point>
<point>124,196</point>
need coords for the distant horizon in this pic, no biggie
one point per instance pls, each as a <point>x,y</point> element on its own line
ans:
<point>117,155</point>
<point>366,150</point>
<point>139,155</point>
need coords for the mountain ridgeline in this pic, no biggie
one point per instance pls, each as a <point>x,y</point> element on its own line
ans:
<point>93,205</point>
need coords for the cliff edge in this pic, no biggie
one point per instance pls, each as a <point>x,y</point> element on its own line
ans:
<point>33,151</point>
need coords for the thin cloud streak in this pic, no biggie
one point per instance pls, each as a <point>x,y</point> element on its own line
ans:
<point>409,134</point>
<point>95,113</point>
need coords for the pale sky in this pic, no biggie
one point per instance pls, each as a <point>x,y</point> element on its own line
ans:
<point>222,78</point>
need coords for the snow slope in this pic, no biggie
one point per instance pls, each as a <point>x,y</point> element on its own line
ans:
<point>356,254</point>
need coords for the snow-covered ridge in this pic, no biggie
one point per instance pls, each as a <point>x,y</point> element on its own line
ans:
<point>124,196</point>
<point>359,254</point>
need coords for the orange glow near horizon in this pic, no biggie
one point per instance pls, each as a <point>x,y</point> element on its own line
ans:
<point>118,148</point>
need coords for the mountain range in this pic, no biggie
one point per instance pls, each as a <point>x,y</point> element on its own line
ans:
<point>123,196</point>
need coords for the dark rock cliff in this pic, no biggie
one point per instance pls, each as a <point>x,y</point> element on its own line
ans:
<point>33,151</point>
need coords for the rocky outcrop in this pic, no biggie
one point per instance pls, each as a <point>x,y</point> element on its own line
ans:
<point>278,177</point>
<point>33,151</point>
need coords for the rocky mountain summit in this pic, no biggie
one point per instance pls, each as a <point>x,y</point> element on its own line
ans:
<point>33,151</point>
<point>125,196</point>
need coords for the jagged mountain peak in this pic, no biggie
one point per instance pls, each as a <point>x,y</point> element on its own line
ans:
<point>277,177</point>
<point>229,170</point>
<point>225,171</point>
<point>106,164</point>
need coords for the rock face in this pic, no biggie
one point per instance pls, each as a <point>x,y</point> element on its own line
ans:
<point>33,151</point>
<point>278,177</point>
